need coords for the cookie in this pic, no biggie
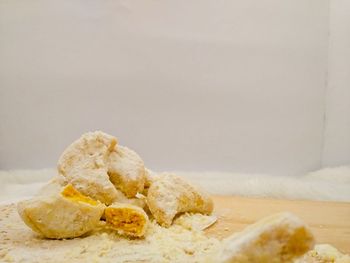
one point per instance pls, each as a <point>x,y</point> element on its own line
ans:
<point>280,238</point>
<point>170,195</point>
<point>66,214</point>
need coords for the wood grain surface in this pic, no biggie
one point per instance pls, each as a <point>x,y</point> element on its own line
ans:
<point>329,221</point>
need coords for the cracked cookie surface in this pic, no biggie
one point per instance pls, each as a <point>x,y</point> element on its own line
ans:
<point>101,169</point>
<point>170,195</point>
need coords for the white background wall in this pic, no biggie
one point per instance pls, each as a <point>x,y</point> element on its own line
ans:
<point>190,85</point>
<point>337,134</point>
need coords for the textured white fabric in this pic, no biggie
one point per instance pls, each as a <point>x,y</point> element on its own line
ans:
<point>331,184</point>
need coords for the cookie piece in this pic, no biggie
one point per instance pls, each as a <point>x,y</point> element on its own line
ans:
<point>85,165</point>
<point>67,214</point>
<point>100,168</point>
<point>279,238</point>
<point>127,219</point>
<point>126,171</point>
<point>169,195</point>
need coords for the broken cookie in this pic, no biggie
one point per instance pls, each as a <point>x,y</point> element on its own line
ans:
<point>170,195</point>
<point>66,214</point>
<point>84,165</point>
<point>99,168</point>
<point>127,219</point>
<point>126,171</point>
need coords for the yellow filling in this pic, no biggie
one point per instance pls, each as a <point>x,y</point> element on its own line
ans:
<point>126,219</point>
<point>73,194</point>
<point>298,243</point>
<point>279,243</point>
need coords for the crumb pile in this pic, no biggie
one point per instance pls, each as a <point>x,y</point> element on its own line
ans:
<point>174,244</point>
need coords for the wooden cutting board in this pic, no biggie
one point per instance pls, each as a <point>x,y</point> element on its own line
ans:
<point>329,221</point>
